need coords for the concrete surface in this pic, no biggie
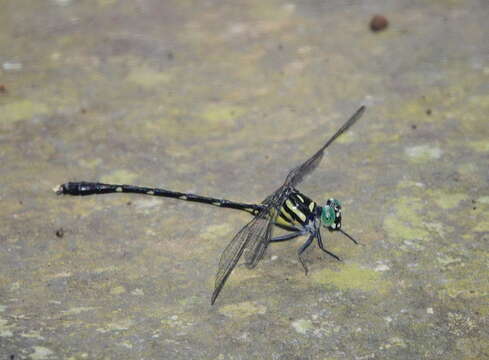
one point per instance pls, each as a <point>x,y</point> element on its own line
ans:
<point>223,98</point>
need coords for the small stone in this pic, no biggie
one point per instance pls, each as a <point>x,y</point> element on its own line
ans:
<point>378,23</point>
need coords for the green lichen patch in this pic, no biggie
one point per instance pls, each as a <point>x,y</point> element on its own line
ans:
<point>22,109</point>
<point>179,124</point>
<point>242,310</point>
<point>405,222</point>
<point>224,115</point>
<point>480,146</point>
<point>117,290</point>
<point>482,225</point>
<point>398,229</point>
<point>352,277</point>
<point>447,200</point>
<point>468,280</point>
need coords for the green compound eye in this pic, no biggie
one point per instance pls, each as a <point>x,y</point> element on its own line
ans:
<point>328,216</point>
<point>335,203</point>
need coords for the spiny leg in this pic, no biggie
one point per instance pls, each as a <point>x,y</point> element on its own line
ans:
<point>302,249</point>
<point>349,236</point>
<point>321,246</point>
<point>287,236</point>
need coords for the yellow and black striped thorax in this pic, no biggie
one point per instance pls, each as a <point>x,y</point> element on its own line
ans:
<point>297,210</point>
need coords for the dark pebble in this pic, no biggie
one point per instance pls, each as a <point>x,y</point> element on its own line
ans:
<point>378,23</point>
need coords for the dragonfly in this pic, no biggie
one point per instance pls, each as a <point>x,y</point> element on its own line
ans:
<point>286,208</point>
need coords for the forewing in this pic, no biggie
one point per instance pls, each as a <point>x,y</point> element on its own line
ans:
<point>297,174</point>
<point>253,232</point>
<point>256,247</point>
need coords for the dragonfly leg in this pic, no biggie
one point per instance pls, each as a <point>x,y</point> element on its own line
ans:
<point>321,246</point>
<point>302,249</point>
<point>287,236</point>
<point>349,236</point>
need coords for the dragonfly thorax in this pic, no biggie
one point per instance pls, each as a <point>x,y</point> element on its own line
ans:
<point>331,215</point>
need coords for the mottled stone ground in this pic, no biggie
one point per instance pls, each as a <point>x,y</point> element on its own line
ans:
<point>223,98</point>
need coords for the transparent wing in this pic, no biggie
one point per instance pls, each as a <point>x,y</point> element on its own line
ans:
<point>297,174</point>
<point>255,232</point>
<point>256,249</point>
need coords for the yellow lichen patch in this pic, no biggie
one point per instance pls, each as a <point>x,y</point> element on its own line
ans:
<point>482,226</point>
<point>405,222</point>
<point>467,288</point>
<point>242,310</point>
<point>346,138</point>
<point>441,229</point>
<point>352,277</point>
<point>471,278</point>
<point>414,110</point>
<point>381,137</point>
<point>148,78</point>
<point>212,119</point>
<point>447,200</point>
<point>19,110</point>
<point>482,146</point>
<point>117,290</point>
<point>120,177</point>
<point>224,115</point>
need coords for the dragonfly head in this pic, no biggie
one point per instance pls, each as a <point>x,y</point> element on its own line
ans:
<point>331,215</point>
